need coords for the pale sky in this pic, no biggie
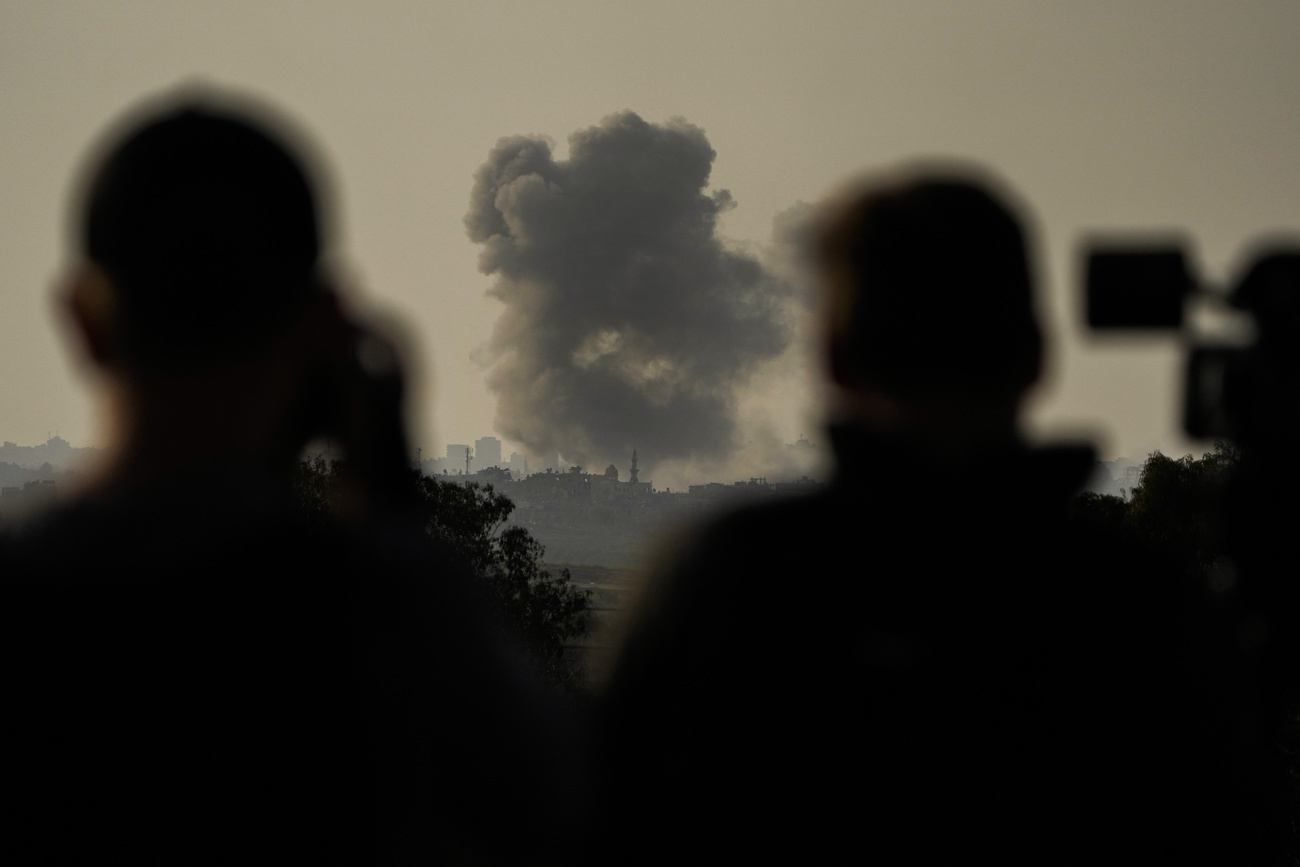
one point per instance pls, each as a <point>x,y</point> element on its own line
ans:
<point>1102,115</point>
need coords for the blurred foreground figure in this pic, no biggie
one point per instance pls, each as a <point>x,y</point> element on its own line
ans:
<point>923,664</point>
<point>192,673</point>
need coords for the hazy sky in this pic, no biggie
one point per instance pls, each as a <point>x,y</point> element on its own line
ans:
<point>1103,115</point>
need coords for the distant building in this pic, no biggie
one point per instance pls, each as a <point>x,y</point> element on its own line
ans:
<point>487,453</point>
<point>607,488</point>
<point>456,453</point>
<point>802,446</point>
<point>497,477</point>
<point>518,465</point>
<point>33,497</point>
<point>55,451</point>
<point>804,485</point>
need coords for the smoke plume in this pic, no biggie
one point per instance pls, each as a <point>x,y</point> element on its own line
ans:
<point>628,323</point>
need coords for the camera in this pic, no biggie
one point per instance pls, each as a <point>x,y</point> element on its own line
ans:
<point>352,394</point>
<point>1243,357</point>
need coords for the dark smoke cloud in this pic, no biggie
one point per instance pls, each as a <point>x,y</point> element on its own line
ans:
<point>628,322</point>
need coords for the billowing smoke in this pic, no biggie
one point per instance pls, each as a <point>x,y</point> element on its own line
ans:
<point>628,322</point>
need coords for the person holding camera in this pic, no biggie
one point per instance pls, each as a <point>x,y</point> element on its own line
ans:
<point>923,663</point>
<point>193,671</point>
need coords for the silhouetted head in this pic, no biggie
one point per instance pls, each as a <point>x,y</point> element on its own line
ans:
<point>930,293</point>
<point>206,226</point>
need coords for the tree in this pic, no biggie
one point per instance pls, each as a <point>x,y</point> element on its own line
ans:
<point>1100,514</point>
<point>1176,522</point>
<point>312,486</point>
<point>1174,509</point>
<point>1176,506</point>
<point>544,611</point>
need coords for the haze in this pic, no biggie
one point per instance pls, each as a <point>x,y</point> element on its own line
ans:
<point>1103,116</point>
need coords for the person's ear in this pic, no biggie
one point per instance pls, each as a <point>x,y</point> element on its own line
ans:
<point>89,301</point>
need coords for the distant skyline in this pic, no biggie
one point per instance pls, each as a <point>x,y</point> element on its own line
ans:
<point>1102,115</point>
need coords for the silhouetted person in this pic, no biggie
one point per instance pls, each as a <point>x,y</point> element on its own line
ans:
<point>191,671</point>
<point>1261,512</point>
<point>921,664</point>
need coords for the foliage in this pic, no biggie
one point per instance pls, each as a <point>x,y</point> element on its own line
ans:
<point>311,489</point>
<point>1175,506</point>
<point>1100,513</point>
<point>1175,512</point>
<point>545,611</point>
<point>1174,509</point>
<point>467,518</point>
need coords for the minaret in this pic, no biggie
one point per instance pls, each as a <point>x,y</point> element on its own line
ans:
<point>633,479</point>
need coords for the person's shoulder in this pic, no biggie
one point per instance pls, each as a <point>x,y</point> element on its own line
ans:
<point>67,540</point>
<point>748,535</point>
<point>725,565</point>
<point>221,520</point>
<point>773,514</point>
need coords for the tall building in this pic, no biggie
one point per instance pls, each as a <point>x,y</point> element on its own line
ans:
<point>518,466</point>
<point>456,458</point>
<point>487,453</point>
